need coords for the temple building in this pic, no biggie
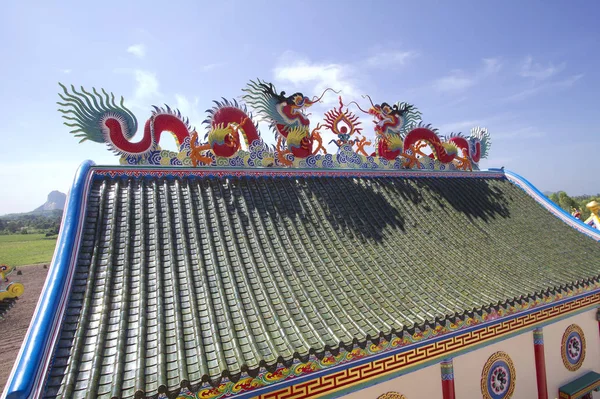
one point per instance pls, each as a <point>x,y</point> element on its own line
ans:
<point>293,272</point>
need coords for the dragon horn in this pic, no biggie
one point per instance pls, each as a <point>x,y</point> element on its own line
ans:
<point>369,97</point>
<point>314,100</point>
<point>354,102</point>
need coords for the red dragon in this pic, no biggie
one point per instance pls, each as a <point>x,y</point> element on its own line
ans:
<point>225,123</point>
<point>399,134</point>
<point>98,118</point>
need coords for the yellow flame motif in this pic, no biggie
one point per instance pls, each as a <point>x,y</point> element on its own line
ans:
<point>296,134</point>
<point>218,132</point>
<point>394,142</point>
<point>450,148</point>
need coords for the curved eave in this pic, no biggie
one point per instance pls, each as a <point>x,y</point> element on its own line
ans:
<point>34,354</point>
<point>544,201</point>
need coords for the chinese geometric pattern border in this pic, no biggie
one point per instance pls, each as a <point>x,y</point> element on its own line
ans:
<point>427,351</point>
<point>496,361</point>
<point>219,173</point>
<point>575,331</point>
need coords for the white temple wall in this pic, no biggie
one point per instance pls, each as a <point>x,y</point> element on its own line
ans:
<point>426,382</point>
<point>556,372</point>
<point>468,367</point>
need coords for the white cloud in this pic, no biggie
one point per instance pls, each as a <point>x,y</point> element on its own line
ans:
<point>209,67</point>
<point>529,69</point>
<point>192,110</point>
<point>491,66</point>
<point>66,71</point>
<point>146,88</point>
<point>313,77</point>
<point>138,50</point>
<point>557,85</point>
<point>459,80</point>
<point>455,81</point>
<point>304,74</point>
<point>386,59</point>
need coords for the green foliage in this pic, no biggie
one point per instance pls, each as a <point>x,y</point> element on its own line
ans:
<point>32,222</point>
<point>568,203</point>
<point>26,249</point>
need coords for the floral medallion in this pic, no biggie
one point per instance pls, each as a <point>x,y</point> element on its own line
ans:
<point>573,347</point>
<point>498,377</point>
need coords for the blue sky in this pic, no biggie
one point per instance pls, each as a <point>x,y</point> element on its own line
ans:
<point>528,71</point>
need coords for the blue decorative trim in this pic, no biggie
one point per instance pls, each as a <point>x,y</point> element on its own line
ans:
<point>447,369</point>
<point>538,336</point>
<point>549,205</point>
<point>30,361</point>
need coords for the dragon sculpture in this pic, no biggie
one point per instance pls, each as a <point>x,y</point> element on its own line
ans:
<point>226,121</point>
<point>98,118</point>
<point>9,294</point>
<point>399,132</point>
<point>233,139</point>
<point>287,118</point>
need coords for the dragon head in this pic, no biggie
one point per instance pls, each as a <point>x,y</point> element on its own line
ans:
<point>296,104</point>
<point>392,119</point>
<point>384,114</point>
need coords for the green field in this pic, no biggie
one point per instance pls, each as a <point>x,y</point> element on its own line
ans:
<point>26,249</point>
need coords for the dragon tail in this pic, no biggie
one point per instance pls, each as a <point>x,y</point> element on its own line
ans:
<point>85,111</point>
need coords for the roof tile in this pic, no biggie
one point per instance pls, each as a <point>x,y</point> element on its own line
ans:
<point>190,279</point>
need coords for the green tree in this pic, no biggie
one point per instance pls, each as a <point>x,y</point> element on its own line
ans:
<point>565,202</point>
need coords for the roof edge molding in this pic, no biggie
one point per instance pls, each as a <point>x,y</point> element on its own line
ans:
<point>544,201</point>
<point>35,353</point>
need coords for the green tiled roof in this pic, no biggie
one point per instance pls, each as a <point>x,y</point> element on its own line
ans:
<point>187,280</point>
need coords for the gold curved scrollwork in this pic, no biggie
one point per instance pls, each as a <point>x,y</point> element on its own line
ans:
<point>391,395</point>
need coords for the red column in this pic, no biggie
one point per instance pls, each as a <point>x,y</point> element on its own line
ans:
<point>540,363</point>
<point>447,369</point>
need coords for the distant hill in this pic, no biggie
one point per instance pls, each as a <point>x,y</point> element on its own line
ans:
<point>56,200</point>
<point>43,219</point>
